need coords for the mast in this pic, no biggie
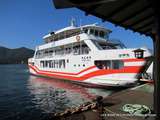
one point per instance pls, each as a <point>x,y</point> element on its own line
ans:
<point>73,22</point>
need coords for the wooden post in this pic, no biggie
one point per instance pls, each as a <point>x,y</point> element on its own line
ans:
<point>156,43</point>
<point>156,68</point>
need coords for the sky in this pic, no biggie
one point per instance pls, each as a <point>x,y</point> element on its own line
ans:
<point>23,23</point>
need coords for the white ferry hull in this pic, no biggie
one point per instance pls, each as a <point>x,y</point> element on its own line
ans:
<point>92,76</point>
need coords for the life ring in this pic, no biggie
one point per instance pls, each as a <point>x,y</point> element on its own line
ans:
<point>78,38</point>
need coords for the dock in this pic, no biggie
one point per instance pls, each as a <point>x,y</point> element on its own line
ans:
<point>111,106</point>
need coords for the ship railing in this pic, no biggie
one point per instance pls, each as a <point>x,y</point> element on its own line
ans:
<point>74,51</point>
<point>62,36</point>
<point>117,42</point>
<point>44,55</point>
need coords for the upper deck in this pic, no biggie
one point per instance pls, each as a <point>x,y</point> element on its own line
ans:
<point>76,41</point>
<point>71,31</point>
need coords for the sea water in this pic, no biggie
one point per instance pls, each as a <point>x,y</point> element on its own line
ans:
<point>27,97</point>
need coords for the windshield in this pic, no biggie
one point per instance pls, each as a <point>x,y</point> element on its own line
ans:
<point>103,45</point>
<point>97,33</point>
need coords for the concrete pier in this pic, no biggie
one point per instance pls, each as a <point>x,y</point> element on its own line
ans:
<point>110,108</point>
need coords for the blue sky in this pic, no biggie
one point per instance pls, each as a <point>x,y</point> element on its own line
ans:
<point>23,23</point>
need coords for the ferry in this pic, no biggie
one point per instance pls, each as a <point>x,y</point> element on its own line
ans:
<point>86,55</point>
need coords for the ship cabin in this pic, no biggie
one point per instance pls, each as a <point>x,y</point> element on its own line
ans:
<point>76,41</point>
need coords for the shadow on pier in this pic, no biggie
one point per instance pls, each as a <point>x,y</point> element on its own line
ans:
<point>111,107</point>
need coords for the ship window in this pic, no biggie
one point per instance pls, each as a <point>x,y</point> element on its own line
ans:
<point>45,64</point>
<point>101,34</point>
<point>51,51</point>
<point>49,62</point>
<point>103,45</point>
<point>86,31</point>
<point>76,50</point>
<point>56,63</point>
<point>84,49</point>
<point>97,44</point>
<point>67,61</point>
<point>46,52</point>
<point>38,54</point>
<point>139,55</point>
<point>41,63</point>
<point>80,48</point>
<point>66,51</point>
<point>61,63</point>
<point>53,63</point>
<point>109,64</point>
<point>117,64</point>
<point>106,36</point>
<point>103,64</point>
<point>96,33</point>
<point>69,50</point>
<point>91,31</point>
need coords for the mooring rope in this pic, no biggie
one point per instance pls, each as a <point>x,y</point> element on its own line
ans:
<point>136,109</point>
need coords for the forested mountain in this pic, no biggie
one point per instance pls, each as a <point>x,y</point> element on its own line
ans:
<point>15,56</point>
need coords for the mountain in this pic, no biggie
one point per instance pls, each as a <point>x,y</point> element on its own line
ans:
<point>15,56</point>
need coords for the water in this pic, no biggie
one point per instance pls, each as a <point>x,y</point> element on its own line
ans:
<point>24,96</point>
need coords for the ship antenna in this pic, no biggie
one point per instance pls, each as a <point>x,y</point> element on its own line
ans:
<point>81,25</point>
<point>73,22</point>
<point>80,20</point>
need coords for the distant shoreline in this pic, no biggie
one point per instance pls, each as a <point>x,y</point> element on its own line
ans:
<point>15,56</point>
<point>13,63</point>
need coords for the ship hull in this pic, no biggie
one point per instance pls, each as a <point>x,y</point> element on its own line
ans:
<point>94,77</point>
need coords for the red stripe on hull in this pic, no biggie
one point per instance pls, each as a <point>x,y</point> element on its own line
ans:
<point>129,69</point>
<point>67,72</point>
<point>125,60</point>
<point>133,60</point>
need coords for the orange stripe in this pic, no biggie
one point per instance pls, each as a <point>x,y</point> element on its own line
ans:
<point>133,60</point>
<point>129,69</point>
<point>50,74</point>
<point>66,72</point>
<point>125,60</point>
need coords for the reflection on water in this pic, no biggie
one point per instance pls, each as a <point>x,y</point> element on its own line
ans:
<point>27,97</point>
<point>51,95</point>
